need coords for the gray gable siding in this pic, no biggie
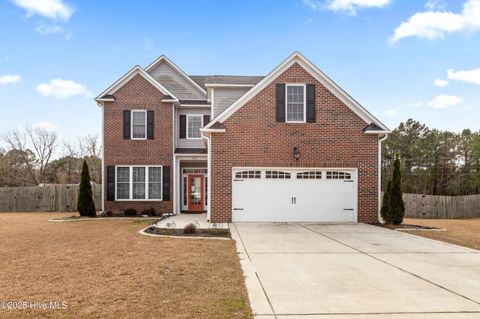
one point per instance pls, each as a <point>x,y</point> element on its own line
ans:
<point>181,87</point>
<point>224,97</point>
<point>184,142</point>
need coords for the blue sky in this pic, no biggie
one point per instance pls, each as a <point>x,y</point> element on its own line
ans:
<point>57,55</point>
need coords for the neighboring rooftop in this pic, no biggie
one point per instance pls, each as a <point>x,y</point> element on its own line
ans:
<point>225,79</point>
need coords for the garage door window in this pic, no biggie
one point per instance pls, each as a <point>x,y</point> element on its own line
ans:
<point>310,175</point>
<point>277,175</point>
<point>338,175</point>
<point>248,174</point>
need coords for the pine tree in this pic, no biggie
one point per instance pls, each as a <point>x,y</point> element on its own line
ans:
<point>85,204</point>
<point>385,201</point>
<point>396,206</point>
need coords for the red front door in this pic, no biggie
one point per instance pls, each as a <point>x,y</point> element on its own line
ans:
<point>195,193</point>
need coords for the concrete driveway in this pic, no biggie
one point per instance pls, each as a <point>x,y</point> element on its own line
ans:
<point>355,271</point>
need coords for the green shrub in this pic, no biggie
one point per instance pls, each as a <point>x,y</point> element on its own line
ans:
<point>385,200</point>
<point>395,207</point>
<point>151,212</point>
<point>85,204</point>
<point>130,212</point>
<point>190,229</point>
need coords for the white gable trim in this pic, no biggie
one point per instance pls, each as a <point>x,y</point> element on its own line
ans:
<point>127,77</point>
<point>173,65</point>
<point>297,57</point>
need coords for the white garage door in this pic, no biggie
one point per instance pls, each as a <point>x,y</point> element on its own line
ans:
<point>294,195</point>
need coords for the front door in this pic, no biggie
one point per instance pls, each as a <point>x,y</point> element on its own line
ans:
<point>195,193</point>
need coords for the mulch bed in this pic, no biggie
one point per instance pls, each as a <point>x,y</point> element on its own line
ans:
<point>212,232</point>
<point>405,226</point>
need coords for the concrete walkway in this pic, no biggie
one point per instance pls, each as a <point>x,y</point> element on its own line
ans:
<point>355,271</point>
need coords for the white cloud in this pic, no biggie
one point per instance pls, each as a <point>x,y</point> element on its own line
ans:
<point>436,24</point>
<point>346,6</point>
<point>46,126</point>
<point>314,5</point>
<point>443,101</point>
<point>440,83</point>
<point>53,9</point>
<point>52,29</point>
<point>391,112</point>
<point>435,5</point>
<point>415,104</point>
<point>7,79</point>
<point>470,76</point>
<point>62,89</point>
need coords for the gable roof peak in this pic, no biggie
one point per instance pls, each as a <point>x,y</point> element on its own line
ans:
<point>298,57</point>
<point>136,70</point>
<point>163,58</point>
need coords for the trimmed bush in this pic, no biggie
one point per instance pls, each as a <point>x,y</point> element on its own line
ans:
<point>85,204</point>
<point>190,229</point>
<point>151,212</point>
<point>396,207</point>
<point>130,212</point>
<point>385,200</point>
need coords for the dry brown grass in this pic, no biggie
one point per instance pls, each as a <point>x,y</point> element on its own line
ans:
<point>105,269</point>
<point>464,232</point>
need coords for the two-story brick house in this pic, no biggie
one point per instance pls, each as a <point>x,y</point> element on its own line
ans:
<point>288,146</point>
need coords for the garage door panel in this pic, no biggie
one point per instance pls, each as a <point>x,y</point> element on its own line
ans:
<point>295,195</point>
<point>259,195</point>
<point>325,200</point>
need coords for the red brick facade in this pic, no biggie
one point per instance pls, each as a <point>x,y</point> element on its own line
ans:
<point>253,138</point>
<point>138,93</point>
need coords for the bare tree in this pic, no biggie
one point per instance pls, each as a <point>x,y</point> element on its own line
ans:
<point>88,148</point>
<point>43,143</point>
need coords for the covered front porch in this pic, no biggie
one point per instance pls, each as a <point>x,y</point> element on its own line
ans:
<point>191,184</point>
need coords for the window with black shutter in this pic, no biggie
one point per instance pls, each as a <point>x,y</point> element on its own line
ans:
<point>183,126</point>
<point>311,103</point>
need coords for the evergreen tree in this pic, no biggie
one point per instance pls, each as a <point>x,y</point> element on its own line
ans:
<point>396,206</point>
<point>385,200</point>
<point>85,204</point>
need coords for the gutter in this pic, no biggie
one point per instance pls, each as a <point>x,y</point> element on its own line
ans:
<point>380,140</point>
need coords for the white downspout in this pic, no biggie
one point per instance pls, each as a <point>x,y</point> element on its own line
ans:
<point>209,174</point>
<point>174,169</point>
<point>380,140</point>
<point>103,160</point>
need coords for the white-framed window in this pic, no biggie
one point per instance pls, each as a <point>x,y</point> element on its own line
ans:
<point>155,183</point>
<point>123,183</point>
<point>295,103</point>
<point>194,124</point>
<point>248,174</point>
<point>309,175</point>
<point>277,175</point>
<point>338,175</point>
<point>138,183</point>
<point>139,124</point>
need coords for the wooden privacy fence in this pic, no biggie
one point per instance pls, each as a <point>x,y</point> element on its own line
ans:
<point>432,206</point>
<point>51,198</point>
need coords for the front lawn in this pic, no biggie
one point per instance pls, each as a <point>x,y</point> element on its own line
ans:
<point>105,269</point>
<point>464,232</point>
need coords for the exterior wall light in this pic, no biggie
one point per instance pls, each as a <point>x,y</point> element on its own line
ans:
<point>296,153</point>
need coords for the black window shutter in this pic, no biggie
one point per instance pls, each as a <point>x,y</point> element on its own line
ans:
<point>311,103</point>
<point>110,183</point>
<point>183,126</point>
<point>126,125</point>
<point>166,183</point>
<point>280,102</point>
<point>206,119</point>
<point>150,125</point>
